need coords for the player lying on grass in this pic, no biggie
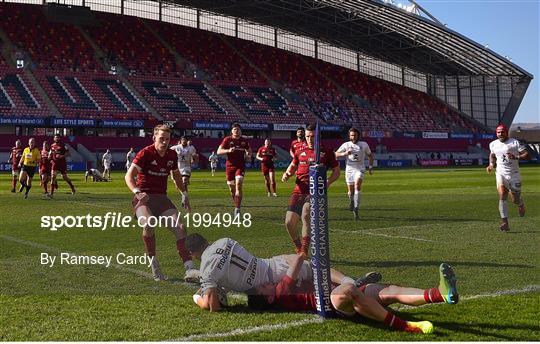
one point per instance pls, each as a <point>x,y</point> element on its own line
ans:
<point>226,265</point>
<point>348,299</point>
<point>95,175</point>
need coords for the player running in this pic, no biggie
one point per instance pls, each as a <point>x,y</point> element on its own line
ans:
<point>299,141</point>
<point>95,175</point>
<point>213,159</point>
<point>58,156</point>
<point>45,168</point>
<point>348,299</point>
<point>298,208</point>
<point>129,157</point>
<point>186,156</point>
<point>355,151</point>
<point>506,152</point>
<point>14,158</point>
<point>107,163</point>
<point>227,265</point>
<point>27,164</point>
<point>237,149</point>
<point>147,179</point>
<point>267,154</point>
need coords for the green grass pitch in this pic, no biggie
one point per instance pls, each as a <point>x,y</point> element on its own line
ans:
<point>411,221</point>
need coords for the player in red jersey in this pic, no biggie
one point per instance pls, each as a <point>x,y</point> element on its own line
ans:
<point>45,168</point>
<point>267,154</point>
<point>304,157</point>
<point>237,149</point>
<point>58,156</point>
<point>147,179</point>
<point>299,141</point>
<point>14,157</point>
<point>348,299</point>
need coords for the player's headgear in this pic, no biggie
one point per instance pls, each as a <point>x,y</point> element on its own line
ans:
<point>503,128</point>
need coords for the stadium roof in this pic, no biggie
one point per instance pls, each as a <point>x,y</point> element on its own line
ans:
<point>373,28</point>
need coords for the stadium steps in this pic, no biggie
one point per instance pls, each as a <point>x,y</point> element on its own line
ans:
<point>189,69</point>
<point>86,154</point>
<point>74,155</point>
<point>218,95</point>
<point>7,48</point>
<point>100,56</point>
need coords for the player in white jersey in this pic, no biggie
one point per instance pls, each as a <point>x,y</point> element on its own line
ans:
<point>213,159</point>
<point>186,156</point>
<point>505,152</point>
<point>355,152</point>
<point>129,157</point>
<point>95,175</point>
<point>225,264</point>
<point>107,162</point>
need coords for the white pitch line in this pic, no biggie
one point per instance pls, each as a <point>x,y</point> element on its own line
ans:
<point>248,330</point>
<point>383,235</point>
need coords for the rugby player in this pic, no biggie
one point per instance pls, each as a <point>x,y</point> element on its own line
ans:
<point>129,157</point>
<point>304,157</point>
<point>299,141</point>
<point>107,163</point>
<point>58,156</point>
<point>213,159</point>
<point>45,168</point>
<point>27,164</point>
<point>355,151</point>
<point>505,152</point>
<point>227,265</point>
<point>186,156</point>
<point>147,179</point>
<point>237,149</point>
<point>267,154</point>
<point>95,175</point>
<point>369,300</point>
<point>14,158</point>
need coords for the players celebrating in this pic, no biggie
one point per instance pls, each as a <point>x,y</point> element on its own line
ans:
<point>107,163</point>
<point>186,156</point>
<point>355,151</point>
<point>45,168</point>
<point>267,154</point>
<point>304,157</point>
<point>299,141</point>
<point>29,160</point>
<point>129,157</point>
<point>505,152</point>
<point>237,149</point>
<point>58,155</point>
<point>147,179</point>
<point>14,158</point>
<point>213,159</point>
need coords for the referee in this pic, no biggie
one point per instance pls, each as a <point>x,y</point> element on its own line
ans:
<point>29,160</point>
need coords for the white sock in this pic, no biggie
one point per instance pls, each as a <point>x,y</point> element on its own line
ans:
<point>357,199</point>
<point>346,279</point>
<point>503,208</point>
<point>188,265</point>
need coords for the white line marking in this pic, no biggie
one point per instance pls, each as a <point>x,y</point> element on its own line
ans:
<point>248,330</point>
<point>383,235</point>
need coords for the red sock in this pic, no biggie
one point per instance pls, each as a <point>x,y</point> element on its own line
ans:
<point>305,243</point>
<point>45,187</point>
<point>14,183</point>
<point>297,243</point>
<point>150,245</point>
<point>274,187</point>
<point>433,295</point>
<point>182,251</point>
<point>237,201</point>
<point>394,322</point>
<point>267,186</point>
